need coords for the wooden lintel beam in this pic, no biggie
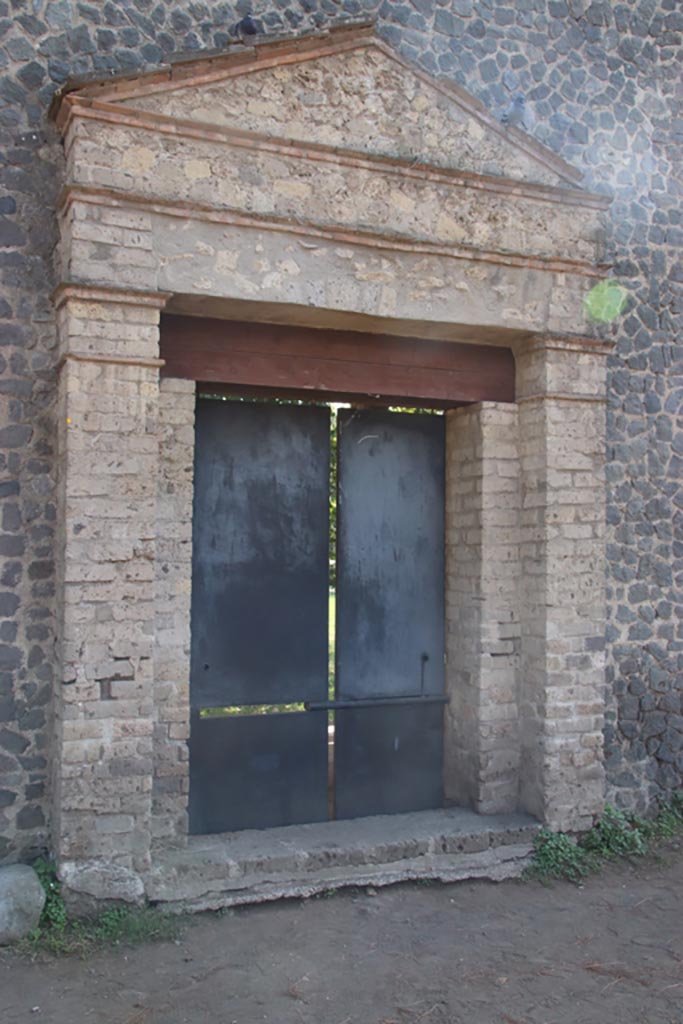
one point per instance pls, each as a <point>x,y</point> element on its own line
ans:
<point>334,365</point>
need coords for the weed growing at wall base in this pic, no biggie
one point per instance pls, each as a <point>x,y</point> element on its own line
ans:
<point>60,935</point>
<point>615,835</point>
<point>557,856</point>
<point>54,917</point>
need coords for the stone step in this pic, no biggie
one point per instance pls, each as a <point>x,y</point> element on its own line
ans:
<point>300,860</point>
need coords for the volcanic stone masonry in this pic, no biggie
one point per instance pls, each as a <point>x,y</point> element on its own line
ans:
<point>597,83</point>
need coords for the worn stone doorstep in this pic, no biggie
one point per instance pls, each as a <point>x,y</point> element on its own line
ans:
<point>301,860</point>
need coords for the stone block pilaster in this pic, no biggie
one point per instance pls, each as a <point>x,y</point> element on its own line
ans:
<point>108,471</point>
<point>482,570</point>
<point>561,396</point>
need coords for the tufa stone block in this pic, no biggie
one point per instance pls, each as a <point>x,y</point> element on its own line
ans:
<point>22,899</point>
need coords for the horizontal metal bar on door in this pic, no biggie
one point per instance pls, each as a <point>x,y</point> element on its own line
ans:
<point>371,702</point>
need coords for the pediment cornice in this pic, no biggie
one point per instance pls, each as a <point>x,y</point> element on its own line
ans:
<point>149,97</point>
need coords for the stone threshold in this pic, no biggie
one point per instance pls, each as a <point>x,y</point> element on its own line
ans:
<point>300,860</point>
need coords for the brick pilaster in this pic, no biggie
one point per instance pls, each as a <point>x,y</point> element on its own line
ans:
<point>560,393</point>
<point>108,470</point>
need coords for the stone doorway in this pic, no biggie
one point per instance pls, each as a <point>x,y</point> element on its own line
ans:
<point>217,190</point>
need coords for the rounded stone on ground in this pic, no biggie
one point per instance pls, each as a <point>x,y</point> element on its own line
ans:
<point>22,899</point>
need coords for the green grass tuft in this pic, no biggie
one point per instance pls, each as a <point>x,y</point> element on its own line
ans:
<point>59,935</point>
<point>616,835</point>
<point>557,856</point>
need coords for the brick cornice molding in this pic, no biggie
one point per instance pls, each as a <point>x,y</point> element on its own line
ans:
<point>90,357</point>
<point>564,343</point>
<point>67,291</point>
<point>562,396</point>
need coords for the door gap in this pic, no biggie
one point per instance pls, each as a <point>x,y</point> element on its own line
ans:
<point>332,613</point>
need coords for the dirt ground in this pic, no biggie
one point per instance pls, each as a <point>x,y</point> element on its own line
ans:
<point>514,953</point>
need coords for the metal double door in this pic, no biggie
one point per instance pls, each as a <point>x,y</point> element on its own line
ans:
<point>262,714</point>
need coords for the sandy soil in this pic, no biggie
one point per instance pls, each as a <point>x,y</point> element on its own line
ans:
<point>515,953</point>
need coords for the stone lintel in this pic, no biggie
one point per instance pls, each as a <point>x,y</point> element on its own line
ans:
<point>482,297</point>
<point>385,238</point>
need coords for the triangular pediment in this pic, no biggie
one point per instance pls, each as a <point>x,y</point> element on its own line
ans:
<point>346,90</point>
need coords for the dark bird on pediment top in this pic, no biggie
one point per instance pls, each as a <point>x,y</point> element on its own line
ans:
<point>246,27</point>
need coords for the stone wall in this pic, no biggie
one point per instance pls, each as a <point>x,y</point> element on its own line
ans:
<point>599,81</point>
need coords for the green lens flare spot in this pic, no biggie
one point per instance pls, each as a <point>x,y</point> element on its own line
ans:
<point>605,302</point>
